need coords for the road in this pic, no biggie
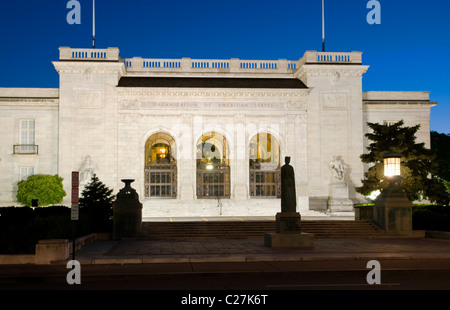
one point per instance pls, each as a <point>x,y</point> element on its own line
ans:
<point>312,275</point>
<point>228,284</point>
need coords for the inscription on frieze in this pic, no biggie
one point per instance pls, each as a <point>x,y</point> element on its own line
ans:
<point>133,104</point>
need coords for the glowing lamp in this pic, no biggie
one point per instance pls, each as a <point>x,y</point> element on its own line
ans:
<point>391,164</point>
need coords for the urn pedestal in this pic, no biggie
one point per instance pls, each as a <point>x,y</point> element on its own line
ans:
<point>127,213</point>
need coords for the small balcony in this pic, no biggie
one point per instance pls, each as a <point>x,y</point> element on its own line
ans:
<point>25,149</point>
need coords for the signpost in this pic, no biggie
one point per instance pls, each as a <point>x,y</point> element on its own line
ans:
<point>74,210</point>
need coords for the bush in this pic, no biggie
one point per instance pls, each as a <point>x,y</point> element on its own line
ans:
<point>22,227</point>
<point>431,217</point>
<point>47,189</point>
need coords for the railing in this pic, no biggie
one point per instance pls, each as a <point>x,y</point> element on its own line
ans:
<point>25,149</point>
<point>234,65</point>
<point>109,54</point>
<point>313,57</point>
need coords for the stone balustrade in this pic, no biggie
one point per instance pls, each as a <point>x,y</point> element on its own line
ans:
<point>108,54</point>
<point>233,65</point>
<point>314,57</point>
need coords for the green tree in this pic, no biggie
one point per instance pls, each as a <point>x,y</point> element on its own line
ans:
<point>97,199</point>
<point>48,189</point>
<point>417,162</point>
<point>440,145</point>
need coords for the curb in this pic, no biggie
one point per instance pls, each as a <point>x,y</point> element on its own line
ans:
<point>250,259</point>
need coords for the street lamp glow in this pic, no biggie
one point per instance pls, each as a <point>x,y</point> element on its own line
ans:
<point>391,164</point>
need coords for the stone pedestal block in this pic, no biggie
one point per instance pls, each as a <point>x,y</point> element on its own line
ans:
<point>299,240</point>
<point>288,232</point>
<point>52,250</point>
<point>288,222</point>
<point>339,204</point>
<point>393,212</point>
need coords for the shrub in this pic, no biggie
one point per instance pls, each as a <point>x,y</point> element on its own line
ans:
<point>47,189</point>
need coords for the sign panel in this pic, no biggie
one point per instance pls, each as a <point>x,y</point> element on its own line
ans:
<point>74,212</point>
<point>75,179</point>
<point>75,184</point>
<point>74,195</point>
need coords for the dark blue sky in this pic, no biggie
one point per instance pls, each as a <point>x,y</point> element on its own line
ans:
<point>409,50</point>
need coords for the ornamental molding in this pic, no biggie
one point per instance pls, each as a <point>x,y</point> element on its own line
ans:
<point>89,69</point>
<point>296,105</point>
<point>136,93</point>
<point>334,71</point>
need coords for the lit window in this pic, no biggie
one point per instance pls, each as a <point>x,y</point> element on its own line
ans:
<point>160,167</point>
<point>213,171</point>
<point>265,179</point>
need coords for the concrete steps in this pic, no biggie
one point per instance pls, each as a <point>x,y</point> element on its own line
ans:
<point>255,229</point>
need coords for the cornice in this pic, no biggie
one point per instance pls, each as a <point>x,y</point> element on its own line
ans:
<point>330,70</point>
<point>94,68</point>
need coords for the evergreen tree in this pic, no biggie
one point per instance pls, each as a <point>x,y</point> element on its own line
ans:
<point>417,163</point>
<point>97,199</point>
<point>440,145</point>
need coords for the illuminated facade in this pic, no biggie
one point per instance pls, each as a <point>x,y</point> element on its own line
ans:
<point>202,137</point>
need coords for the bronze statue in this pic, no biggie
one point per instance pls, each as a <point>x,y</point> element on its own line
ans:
<point>288,196</point>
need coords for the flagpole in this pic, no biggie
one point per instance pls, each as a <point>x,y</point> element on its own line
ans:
<point>93,24</point>
<point>323,26</point>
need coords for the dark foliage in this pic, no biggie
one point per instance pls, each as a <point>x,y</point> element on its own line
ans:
<point>418,163</point>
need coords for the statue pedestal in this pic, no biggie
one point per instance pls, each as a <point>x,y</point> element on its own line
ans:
<point>339,204</point>
<point>288,232</point>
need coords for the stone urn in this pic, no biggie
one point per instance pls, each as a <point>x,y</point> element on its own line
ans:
<point>127,212</point>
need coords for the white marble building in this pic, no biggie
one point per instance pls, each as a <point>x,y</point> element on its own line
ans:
<point>202,137</point>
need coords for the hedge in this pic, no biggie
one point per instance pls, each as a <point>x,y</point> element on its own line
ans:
<point>22,227</point>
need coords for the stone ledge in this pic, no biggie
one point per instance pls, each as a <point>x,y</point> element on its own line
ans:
<point>299,240</point>
<point>437,234</point>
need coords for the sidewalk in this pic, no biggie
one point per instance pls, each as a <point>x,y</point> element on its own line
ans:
<point>146,252</point>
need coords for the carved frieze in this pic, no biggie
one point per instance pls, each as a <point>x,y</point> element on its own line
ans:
<point>296,105</point>
<point>213,93</point>
<point>136,104</point>
<point>89,100</point>
<point>334,101</point>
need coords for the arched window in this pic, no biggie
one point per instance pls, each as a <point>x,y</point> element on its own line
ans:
<point>213,170</point>
<point>160,166</point>
<point>265,179</point>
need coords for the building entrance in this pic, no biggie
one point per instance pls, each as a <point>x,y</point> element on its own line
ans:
<point>213,170</point>
<point>160,167</point>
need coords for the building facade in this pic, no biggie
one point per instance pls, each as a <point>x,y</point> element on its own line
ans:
<point>202,137</point>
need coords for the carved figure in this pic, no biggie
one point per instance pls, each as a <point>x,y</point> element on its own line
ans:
<point>87,170</point>
<point>288,196</point>
<point>338,169</point>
